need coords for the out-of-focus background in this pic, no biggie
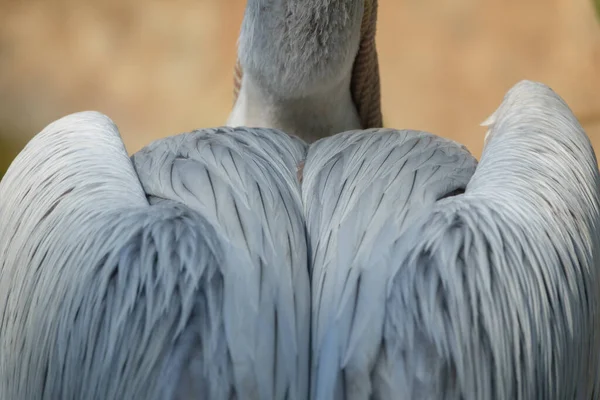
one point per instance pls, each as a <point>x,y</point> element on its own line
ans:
<point>159,67</point>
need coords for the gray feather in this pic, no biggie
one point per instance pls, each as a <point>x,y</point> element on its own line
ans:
<point>495,293</point>
<point>244,182</point>
<point>105,296</point>
<point>316,42</point>
<point>361,190</point>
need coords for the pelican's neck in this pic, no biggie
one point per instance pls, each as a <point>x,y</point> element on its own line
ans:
<point>297,58</point>
<point>311,117</point>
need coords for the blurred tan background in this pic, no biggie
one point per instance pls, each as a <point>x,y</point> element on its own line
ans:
<point>159,67</point>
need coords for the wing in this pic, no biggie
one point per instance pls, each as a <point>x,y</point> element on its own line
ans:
<point>495,293</point>
<point>244,182</point>
<point>361,190</point>
<point>104,296</point>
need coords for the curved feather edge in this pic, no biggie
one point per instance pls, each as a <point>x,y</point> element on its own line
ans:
<point>361,190</point>
<point>495,293</point>
<point>106,296</point>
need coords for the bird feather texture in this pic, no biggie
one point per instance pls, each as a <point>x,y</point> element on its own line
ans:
<point>119,284</point>
<point>398,268</point>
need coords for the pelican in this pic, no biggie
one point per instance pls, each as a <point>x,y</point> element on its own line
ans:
<point>393,266</point>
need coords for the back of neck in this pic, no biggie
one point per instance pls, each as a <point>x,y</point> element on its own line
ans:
<point>297,58</point>
<point>310,117</point>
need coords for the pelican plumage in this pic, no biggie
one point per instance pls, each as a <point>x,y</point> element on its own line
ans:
<point>435,277</point>
<point>315,255</point>
<point>179,273</point>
